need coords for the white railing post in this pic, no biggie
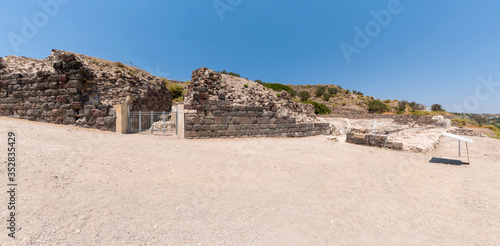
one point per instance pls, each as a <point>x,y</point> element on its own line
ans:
<point>164,122</point>
<point>152,123</point>
<point>140,121</point>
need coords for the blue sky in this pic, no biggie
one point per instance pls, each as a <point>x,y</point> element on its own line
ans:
<point>429,51</point>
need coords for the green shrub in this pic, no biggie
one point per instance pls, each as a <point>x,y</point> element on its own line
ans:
<point>259,81</point>
<point>347,92</point>
<point>420,112</point>
<point>245,85</point>
<point>320,91</point>
<point>319,108</point>
<point>387,101</point>
<point>278,95</point>
<point>377,106</point>
<point>344,103</point>
<point>280,87</point>
<point>402,106</point>
<point>327,96</point>
<point>176,90</point>
<point>230,73</point>
<point>119,64</point>
<point>359,93</point>
<point>304,95</point>
<point>494,129</point>
<point>332,90</point>
<point>459,121</point>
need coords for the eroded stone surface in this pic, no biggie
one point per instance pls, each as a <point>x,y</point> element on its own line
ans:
<point>69,88</point>
<point>220,105</point>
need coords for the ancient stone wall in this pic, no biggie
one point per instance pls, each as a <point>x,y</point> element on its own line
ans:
<point>401,119</point>
<point>65,89</point>
<point>376,140</point>
<point>211,113</point>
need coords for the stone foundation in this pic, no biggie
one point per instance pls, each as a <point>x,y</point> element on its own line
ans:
<point>376,140</point>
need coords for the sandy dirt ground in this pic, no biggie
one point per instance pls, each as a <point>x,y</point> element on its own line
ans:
<point>85,187</point>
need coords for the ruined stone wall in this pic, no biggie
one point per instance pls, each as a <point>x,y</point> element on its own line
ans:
<point>376,140</point>
<point>211,114</point>
<point>64,89</point>
<point>401,119</point>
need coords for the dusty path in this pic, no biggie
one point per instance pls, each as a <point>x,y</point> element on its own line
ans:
<point>87,187</point>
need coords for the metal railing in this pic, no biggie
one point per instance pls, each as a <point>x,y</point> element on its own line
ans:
<point>152,122</point>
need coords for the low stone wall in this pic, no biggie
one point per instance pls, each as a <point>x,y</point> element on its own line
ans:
<point>216,119</point>
<point>209,113</point>
<point>402,119</point>
<point>375,140</point>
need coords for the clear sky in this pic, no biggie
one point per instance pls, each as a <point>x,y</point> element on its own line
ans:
<point>445,52</point>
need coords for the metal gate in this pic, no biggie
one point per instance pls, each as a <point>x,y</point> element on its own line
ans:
<point>151,122</point>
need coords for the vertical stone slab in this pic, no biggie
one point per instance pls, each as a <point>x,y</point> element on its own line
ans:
<point>121,118</point>
<point>180,121</point>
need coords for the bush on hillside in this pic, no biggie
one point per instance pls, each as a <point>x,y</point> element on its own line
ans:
<point>494,129</point>
<point>230,73</point>
<point>319,108</point>
<point>320,91</point>
<point>377,106</point>
<point>459,121</point>
<point>304,95</point>
<point>176,90</point>
<point>420,112</point>
<point>332,90</point>
<point>280,87</point>
<point>402,106</point>
<point>327,96</point>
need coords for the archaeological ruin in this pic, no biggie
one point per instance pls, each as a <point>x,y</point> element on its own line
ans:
<point>73,89</point>
<point>219,105</point>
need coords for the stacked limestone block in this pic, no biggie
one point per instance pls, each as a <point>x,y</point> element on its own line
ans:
<point>375,140</point>
<point>214,111</point>
<point>66,88</point>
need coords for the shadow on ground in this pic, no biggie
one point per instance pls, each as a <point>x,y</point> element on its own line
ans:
<point>447,161</point>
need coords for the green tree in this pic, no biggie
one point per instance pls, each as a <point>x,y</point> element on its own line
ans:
<point>437,107</point>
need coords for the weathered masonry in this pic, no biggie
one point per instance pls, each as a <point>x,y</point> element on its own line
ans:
<point>210,114</point>
<point>72,89</point>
